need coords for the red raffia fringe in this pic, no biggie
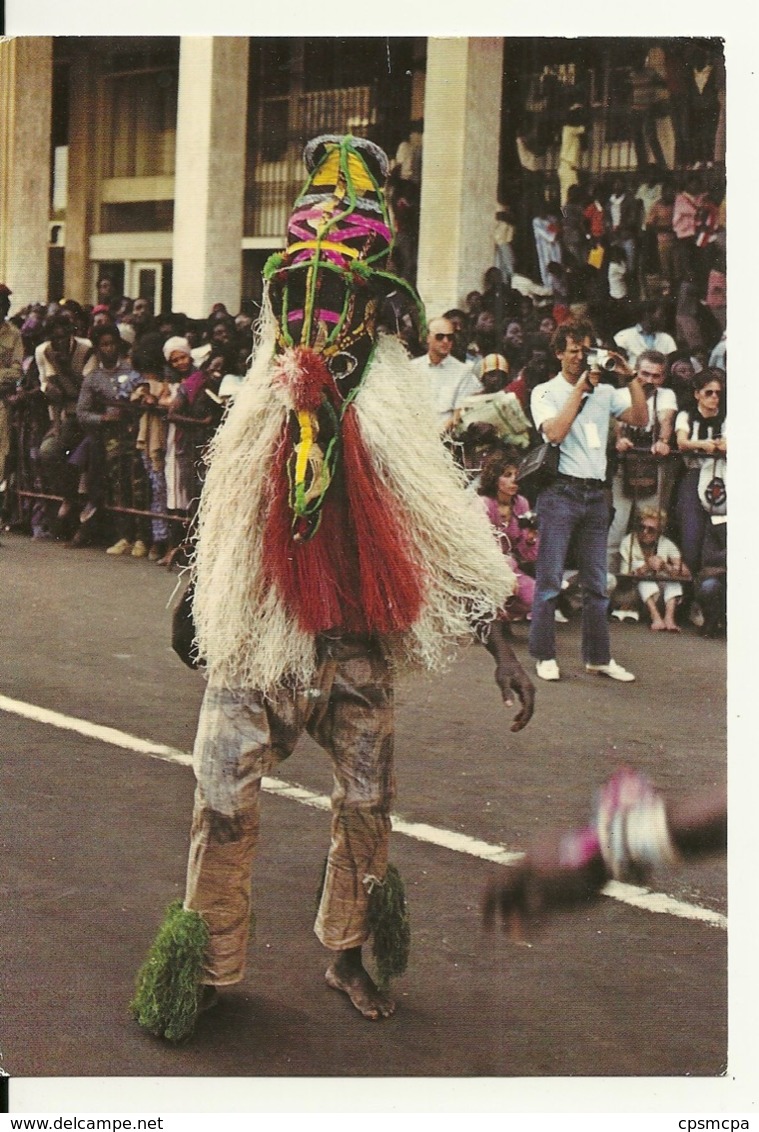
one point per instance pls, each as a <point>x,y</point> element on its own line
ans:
<point>357,572</point>
<point>391,581</point>
<point>305,375</point>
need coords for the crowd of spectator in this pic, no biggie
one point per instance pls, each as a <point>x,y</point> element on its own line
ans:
<point>658,236</point>
<point>105,410</point>
<point>644,263</point>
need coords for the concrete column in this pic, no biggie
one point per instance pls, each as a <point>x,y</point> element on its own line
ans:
<point>210,173</point>
<point>83,180</point>
<point>462,128</point>
<point>26,81</point>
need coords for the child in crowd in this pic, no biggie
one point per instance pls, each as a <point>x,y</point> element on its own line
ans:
<point>151,390</point>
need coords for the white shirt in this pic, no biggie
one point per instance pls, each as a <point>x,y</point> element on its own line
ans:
<point>615,207</point>
<point>200,353</point>
<point>450,381</point>
<point>633,557</point>
<point>617,281</point>
<point>648,196</point>
<point>719,353</point>
<point>666,402</point>
<point>48,368</point>
<point>634,342</point>
<point>582,452</point>
<point>692,425</point>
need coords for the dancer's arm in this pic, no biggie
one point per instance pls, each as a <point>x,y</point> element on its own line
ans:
<point>510,677</point>
<point>563,869</point>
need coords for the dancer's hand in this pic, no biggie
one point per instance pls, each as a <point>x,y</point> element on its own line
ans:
<point>558,870</point>
<point>512,679</point>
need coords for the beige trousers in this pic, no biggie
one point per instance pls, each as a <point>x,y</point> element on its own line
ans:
<point>241,737</point>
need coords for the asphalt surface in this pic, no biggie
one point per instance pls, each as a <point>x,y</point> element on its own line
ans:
<point>94,840</point>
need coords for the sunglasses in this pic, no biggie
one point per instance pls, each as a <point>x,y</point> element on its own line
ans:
<point>648,527</point>
<point>711,392</point>
<point>443,337</point>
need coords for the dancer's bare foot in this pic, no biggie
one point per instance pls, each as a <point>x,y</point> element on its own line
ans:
<point>658,626</point>
<point>672,627</point>
<point>347,974</point>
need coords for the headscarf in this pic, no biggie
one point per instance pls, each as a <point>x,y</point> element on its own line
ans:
<point>176,344</point>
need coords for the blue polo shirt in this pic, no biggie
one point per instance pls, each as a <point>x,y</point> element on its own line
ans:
<point>583,450</point>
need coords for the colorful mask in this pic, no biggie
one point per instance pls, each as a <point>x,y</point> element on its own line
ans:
<point>335,545</point>
<point>325,290</point>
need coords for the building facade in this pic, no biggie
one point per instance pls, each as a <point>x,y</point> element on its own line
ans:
<point>172,162</point>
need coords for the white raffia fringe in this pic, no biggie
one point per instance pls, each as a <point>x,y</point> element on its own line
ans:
<point>245,635</point>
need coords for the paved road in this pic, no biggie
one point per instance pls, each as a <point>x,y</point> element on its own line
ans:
<point>94,838</point>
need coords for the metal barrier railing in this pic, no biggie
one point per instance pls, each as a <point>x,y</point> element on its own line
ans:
<point>667,471</point>
<point>85,474</point>
<point>26,484</point>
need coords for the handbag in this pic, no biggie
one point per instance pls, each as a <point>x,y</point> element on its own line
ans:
<point>538,469</point>
<point>640,475</point>
<point>183,629</point>
<point>712,486</point>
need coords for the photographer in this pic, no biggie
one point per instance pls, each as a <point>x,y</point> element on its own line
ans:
<point>573,411</point>
<point>645,472</point>
<point>515,524</point>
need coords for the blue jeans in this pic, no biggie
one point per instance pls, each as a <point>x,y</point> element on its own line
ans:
<point>692,520</point>
<point>711,594</point>
<point>572,512</point>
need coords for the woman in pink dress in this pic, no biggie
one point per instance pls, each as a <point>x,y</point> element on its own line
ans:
<point>514,521</point>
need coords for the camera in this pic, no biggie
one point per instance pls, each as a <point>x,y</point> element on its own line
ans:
<point>528,521</point>
<point>601,360</point>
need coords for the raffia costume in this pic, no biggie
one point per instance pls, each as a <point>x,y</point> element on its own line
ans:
<point>335,547</point>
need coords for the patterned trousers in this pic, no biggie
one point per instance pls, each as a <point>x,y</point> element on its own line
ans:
<point>241,737</point>
<point>159,527</point>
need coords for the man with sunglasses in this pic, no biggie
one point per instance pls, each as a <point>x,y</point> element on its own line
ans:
<point>450,381</point>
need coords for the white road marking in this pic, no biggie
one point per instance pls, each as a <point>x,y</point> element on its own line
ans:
<point>108,735</point>
<point>641,898</point>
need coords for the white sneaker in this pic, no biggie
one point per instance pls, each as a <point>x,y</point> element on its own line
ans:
<point>547,670</point>
<point>612,669</point>
<point>696,615</point>
<point>559,617</point>
<point>625,615</point>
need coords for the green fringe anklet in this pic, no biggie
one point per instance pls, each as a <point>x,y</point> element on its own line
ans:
<point>390,927</point>
<point>388,923</point>
<point>169,988</point>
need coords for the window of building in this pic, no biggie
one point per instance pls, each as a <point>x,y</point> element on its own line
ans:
<point>140,113</point>
<point>137,216</point>
<point>299,88</point>
<point>59,139</point>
